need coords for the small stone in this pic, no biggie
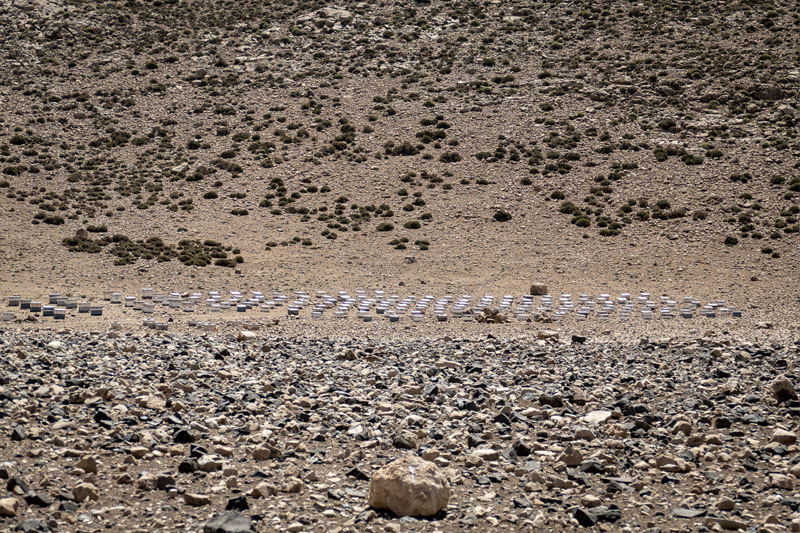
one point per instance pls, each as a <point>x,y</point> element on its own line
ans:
<point>783,390</point>
<point>9,507</point>
<point>547,334</point>
<point>410,486</point>
<point>246,335</point>
<point>596,417</point>
<point>726,504</point>
<point>32,525</point>
<point>262,490</point>
<point>83,491</point>
<point>784,437</point>
<point>88,464</point>
<point>147,482</point>
<point>780,481</point>
<point>188,466</point>
<point>230,522</point>
<point>293,486</point>
<point>139,451</point>
<point>18,433</point>
<point>38,499</point>
<point>571,457</point>
<point>155,401</point>
<point>196,500</point>
<point>681,512</point>
<point>210,463</point>
<point>266,451</point>
<point>295,527</point>
<point>238,503</point>
<point>584,434</point>
<point>590,500</point>
<point>404,442</point>
<point>682,427</point>
<point>725,523</point>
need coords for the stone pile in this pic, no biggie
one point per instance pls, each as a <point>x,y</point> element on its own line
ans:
<point>182,432</point>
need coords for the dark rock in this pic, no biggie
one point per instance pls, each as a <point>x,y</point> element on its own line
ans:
<point>37,499</point>
<point>502,419</point>
<point>183,436</point>
<point>521,449</point>
<point>358,474</point>
<point>237,504</point>
<point>474,442</point>
<point>584,517</point>
<point>197,451</point>
<point>551,400</point>
<point>522,503</point>
<point>18,433</point>
<point>164,481</point>
<point>17,481</point>
<point>188,466</point>
<point>68,506</point>
<point>722,423</point>
<point>610,514</point>
<point>592,467</point>
<point>32,526</point>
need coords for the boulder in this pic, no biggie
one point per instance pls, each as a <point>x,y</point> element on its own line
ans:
<point>538,289</point>
<point>410,486</point>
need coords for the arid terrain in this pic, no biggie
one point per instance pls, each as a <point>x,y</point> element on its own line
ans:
<point>418,148</point>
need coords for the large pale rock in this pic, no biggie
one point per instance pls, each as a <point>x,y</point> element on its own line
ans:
<point>410,486</point>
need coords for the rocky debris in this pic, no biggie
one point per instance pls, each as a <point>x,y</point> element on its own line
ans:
<point>491,316</point>
<point>529,434</point>
<point>409,486</point>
